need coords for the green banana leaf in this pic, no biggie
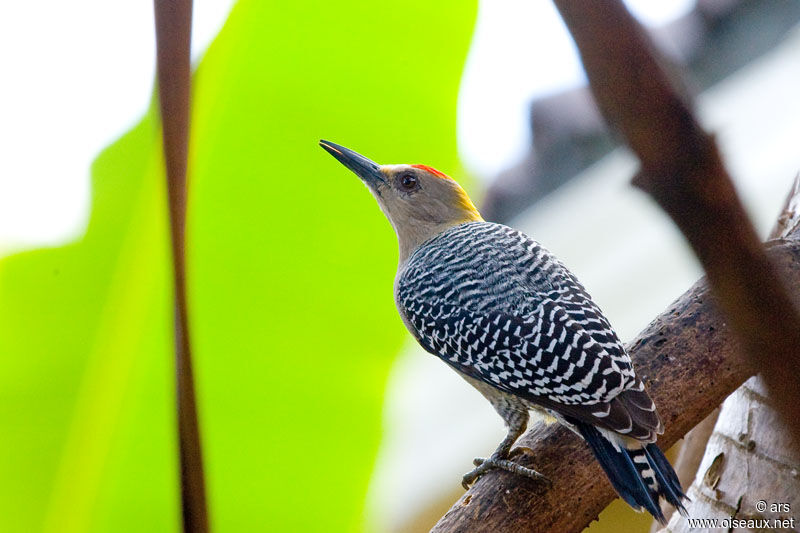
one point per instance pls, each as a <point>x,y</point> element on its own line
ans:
<point>290,284</point>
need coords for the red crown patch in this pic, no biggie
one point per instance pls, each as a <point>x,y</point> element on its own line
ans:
<point>432,171</point>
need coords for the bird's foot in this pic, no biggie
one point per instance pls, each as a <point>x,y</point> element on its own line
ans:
<point>483,465</point>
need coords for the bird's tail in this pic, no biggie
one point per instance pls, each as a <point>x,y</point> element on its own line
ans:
<point>640,475</point>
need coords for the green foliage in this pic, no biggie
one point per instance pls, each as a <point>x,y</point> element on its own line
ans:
<point>290,276</point>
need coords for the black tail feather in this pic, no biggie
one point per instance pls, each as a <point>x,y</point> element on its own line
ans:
<point>666,477</point>
<point>637,485</point>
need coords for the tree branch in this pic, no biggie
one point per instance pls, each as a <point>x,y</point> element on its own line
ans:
<point>689,361</point>
<point>682,170</point>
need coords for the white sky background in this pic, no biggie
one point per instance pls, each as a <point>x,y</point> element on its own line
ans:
<point>76,75</point>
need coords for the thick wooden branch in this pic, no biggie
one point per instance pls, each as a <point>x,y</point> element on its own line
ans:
<point>690,362</point>
<point>682,170</point>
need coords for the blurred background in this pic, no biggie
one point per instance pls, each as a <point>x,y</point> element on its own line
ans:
<point>318,411</point>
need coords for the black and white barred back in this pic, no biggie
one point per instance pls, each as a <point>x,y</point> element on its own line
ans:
<point>496,306</point>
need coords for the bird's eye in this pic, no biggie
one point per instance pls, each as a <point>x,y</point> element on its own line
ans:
<point>408,181</point>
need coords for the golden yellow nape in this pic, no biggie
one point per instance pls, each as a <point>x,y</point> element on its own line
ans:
<point>465,203</point>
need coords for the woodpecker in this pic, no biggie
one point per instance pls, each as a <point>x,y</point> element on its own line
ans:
<point>509,317</point>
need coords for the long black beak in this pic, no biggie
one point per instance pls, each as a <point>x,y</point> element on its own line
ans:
<point>369,171</point>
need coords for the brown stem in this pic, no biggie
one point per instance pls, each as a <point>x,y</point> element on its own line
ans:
<point>173,19</point>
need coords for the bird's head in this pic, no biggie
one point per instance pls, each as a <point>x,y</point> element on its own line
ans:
<point>419,201</point>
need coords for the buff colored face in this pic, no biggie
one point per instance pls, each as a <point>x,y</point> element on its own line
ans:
<point>416,194</point>
<point>418,200</point>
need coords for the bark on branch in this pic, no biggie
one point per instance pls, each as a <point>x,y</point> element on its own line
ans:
<point>690,362</point>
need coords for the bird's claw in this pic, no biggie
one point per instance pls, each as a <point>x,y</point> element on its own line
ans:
<point>484,465</point>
